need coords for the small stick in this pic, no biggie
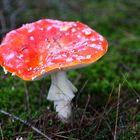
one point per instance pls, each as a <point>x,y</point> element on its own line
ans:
<point>129,84</point>
<point>3,23</point>
<point>84,85</point>
<point>25,123</point>
<point>117,113</point>
<point>81,121</point>
<point>104,112</point>
<point>64,137</point>
<point>1,132</point>
<point>27,100</point>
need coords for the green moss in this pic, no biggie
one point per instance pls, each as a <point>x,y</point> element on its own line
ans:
<point>119,22</point>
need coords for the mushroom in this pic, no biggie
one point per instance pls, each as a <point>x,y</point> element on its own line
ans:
<point>51,47</point>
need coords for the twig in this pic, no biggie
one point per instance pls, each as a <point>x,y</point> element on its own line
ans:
<point>1,132</point>
<point>7,6</point>
<point>104,112</point>
<point>117,113</point>
<point>114,106</point>
<point>84,85</point>
<point>109,98</point>
<point>101,119</point>
<point>125,79</point>
<point>85,110</point>
<point>65,132</point>
<point>3,23</point>
<point>127,68</point>
<point>25,123</point>
<point>77,79</point>
<point>64,137</point>
<point>13,16</point>
<point>27,100</point>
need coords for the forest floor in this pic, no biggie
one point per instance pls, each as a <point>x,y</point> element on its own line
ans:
<point>107,104</point>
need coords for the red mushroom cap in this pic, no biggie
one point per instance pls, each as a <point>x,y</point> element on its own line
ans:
<point>49,45</point>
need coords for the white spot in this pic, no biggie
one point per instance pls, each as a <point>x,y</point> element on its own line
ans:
<point>41,63</point>
<point>93,39</point>
<point>35,69</point>
<point>100,43</point>
<point>18,65</point>
<point>43,72</point>
<point>13,74</point>
<point>80,58</point>
<point>64,55</point>
<point>72,51</point>
<point>31,38</point>
<point>63,29</point>
<point>49,28</point>
<point>20,56</point>
<point>41,58</point>
<point>75,24</point>
<point>101,38</point>
<point>29,69</point>
<point>87,31</point>
<point>12,120</point>
<point>5,71</point>
<point>60,66</point>
<point>92,45</point>
<point>41,29</point>
<point>19,138</point>
<point>88,56</point>
<point>13,88</point>
<point>69,60</point>
<point>49,63</point>
<point>10,56</point>
<point>79,36</point>
<point>137,100</point>
<point>48,107</point>
<point>34,77</point>
<point>84,49</point>
<point>85,43</point>
<point>73,30</point>
<point>30,30</point>
<point>75,55</point>
<point>99,47</point>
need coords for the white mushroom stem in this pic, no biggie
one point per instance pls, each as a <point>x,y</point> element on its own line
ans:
<point>61,92</point>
